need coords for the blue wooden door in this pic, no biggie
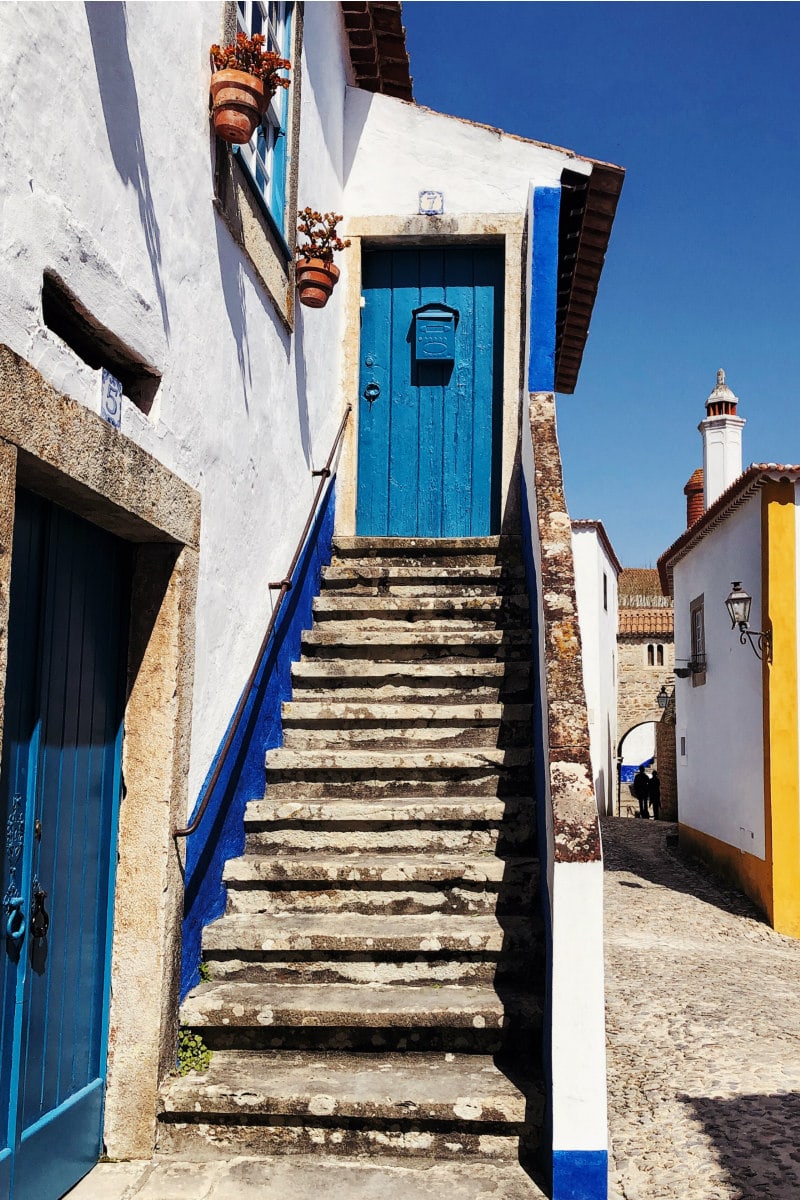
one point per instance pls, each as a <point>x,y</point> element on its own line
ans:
<point>429,434</point>
<point>59,800</point>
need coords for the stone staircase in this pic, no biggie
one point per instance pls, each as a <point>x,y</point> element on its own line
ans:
<point>377,978</point>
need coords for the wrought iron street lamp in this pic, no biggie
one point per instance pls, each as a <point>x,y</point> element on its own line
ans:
<point>662,697</point>
<point>738,606</point>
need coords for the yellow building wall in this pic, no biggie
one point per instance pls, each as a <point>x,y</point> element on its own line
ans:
<point>781,751</point>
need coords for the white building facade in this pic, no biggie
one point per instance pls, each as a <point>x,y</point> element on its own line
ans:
<point>597,570</point>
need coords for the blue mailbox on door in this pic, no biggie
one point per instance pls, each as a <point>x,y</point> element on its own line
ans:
<point>435,333</point>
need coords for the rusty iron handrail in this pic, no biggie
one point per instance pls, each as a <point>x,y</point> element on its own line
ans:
<point>283,587</point>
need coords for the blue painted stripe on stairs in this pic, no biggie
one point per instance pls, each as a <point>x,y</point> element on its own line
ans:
<point>221,833</point>
<point>543,289</point>
<point>580,1175</point>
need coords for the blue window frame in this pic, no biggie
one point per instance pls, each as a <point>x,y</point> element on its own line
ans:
<point>265,156</point>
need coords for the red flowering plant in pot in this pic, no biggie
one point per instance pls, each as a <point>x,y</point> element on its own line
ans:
<point>315,273</point>
<point>245,78</point>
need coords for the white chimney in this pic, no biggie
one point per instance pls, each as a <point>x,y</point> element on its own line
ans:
<point>722,441</point>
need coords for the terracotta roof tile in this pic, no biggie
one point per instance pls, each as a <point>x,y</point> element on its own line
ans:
<point>646,622</point>
<point>639,581</point>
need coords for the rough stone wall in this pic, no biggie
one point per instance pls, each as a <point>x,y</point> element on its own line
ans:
<point>665,756</point>
<point>575,821</point>
<point>640,684</point>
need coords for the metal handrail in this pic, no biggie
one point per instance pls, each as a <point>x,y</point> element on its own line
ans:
<point>283,587</point>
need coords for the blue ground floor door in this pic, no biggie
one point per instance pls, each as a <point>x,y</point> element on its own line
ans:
<point>59,801</point>
<point>430,392</point>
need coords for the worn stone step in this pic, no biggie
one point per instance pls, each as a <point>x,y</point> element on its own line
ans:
<point>317,723</point>
<point>404,641</point>
<point>377,763</point>
<point>404,838</point>
<point>479,681</point>
<point>368,574</point>
<point>447,735</point>
<point>359,812</point>
<point>382,883</point>
<point>356,1006</point>
<point>340,714</point>
<point>404,1088</point>
<point>306,784</point>
<point>514,966</point>
<point>359,933</point>
<point>445,552</point>
<point>440,1105</point>
<point>310,1176</point>
<point>513,898</point>
<point>458,611</point>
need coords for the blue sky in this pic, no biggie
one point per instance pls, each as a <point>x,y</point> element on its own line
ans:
<point>700,102</point>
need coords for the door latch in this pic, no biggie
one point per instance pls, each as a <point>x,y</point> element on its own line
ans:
<point>371,393</point>
<point>40,918</point>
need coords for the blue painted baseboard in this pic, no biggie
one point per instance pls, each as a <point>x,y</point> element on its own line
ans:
<point>221,833</point>
<point>580,1175</point>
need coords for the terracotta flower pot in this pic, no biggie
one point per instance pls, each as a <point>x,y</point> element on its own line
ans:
<point>238,104</point>
<point>316,279</point>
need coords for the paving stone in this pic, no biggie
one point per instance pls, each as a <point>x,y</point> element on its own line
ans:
<point>703,1025</point>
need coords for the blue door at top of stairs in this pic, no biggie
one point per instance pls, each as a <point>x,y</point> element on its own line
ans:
<point>59,802</point>
<point>429,430</point>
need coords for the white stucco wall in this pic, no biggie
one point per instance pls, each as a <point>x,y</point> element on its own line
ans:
<point>578,1036</point>
<point>112,189</point>
<point>720,777</point>
<point>480,170</point>
<point>598,624</point>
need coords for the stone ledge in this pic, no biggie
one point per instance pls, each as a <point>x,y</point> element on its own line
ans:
<point>576,828</point>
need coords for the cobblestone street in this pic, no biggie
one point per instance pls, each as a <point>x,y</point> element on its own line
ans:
<point>703,1020</point>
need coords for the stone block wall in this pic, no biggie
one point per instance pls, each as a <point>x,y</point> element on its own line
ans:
<point>639,684</point>
<point>666,758</point>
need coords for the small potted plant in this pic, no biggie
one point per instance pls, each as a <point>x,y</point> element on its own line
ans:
<point>245,78</point>
<point>315,273</point>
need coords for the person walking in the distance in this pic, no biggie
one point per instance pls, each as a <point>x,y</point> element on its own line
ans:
<point>654,795</point>
<point>641,790</point>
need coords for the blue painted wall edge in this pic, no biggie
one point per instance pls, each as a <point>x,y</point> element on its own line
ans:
<point>580,1175</point>
<point>544,286</point>
<point>221,833</point>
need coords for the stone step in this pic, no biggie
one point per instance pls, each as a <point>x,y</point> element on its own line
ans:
<point>375,1007</point>
<point>439,1105</point>
<point>371,580</point>
<point>473,682</point>
<point>310,1176</point>
<point>366,735</point>
<point>395,1087</point>
<point>441,552</point>
<point>358,812</point>
<point>374,764</point>
<point>458,611</point>
<point>515,897</point>
<point>405,838</point>
<point>382,883</point>
<point>316,723</point>
<point>414,641</point>
<point>359,933</point>
<point>366,784</point>
<point>515,967</point>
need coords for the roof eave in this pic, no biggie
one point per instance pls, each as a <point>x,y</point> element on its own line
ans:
<point>602,197</point>
<point>740,490</point>
<point>378,50</point>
